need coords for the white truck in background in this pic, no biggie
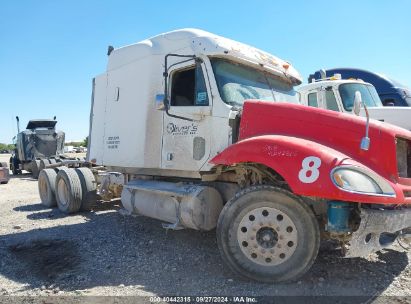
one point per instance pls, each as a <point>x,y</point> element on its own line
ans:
<point>336,94</point>
<point>69,149</point>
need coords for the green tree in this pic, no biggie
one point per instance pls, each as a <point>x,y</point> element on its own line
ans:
<point>85,142</point>
<point>8,147</point>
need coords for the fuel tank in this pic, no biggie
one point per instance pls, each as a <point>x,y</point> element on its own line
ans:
<point>184,205</point>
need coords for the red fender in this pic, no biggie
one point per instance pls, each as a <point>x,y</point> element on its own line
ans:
<point>305,165</point>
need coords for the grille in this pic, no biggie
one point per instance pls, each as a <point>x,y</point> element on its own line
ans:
<point>404,157</point>
<point>43,143</point>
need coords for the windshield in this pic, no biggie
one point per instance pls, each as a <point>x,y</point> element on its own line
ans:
<point>237,82</point>
<point>368,93</point>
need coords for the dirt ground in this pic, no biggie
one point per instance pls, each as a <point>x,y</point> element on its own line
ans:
<point>44,252</point>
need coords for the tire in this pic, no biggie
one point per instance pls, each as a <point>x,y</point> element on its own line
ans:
<point>43,163</point>
<point>35,168</point>
<point>14,166</point>
<point>68,190</point>
<point>47,187</point>
<point>268,234</point>
<point>89,188</point>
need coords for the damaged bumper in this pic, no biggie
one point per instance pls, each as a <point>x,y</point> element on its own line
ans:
<point>378,229</point>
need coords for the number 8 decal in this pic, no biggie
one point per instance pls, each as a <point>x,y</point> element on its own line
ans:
<point>309,172</point>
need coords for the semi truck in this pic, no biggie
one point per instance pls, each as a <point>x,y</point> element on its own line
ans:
<point>391,92</point>
<point>203,132</point>
<point>337,94</point>
<point>38,145</point>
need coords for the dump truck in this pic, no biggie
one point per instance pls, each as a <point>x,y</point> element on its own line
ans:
<point>203,132</point>
<point>337,94</point>
<point>38,145</point>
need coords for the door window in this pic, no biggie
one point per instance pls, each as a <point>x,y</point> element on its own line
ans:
<point>312,100</point>
<point>392,101</point>
<point>189,88</point>
<point>331,101</point>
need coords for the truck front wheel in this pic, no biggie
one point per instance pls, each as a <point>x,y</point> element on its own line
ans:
<point>268,234</point>
<point>14,165</point>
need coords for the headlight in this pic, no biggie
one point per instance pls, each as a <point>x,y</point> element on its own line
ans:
<point>359,180</point>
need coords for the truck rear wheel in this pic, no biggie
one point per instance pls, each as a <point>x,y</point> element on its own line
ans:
<point>68,190</point>
<point>43,163</point>
<point>47,187</point>
<point>268,234</point>
<point>35,168</point>
<point>89,188</point>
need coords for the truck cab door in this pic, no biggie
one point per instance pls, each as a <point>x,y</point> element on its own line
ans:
<point>392,100</point>
<point>327,99</point>
<point>186,131</point>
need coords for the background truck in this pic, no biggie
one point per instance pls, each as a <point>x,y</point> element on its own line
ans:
<point>336,94</point>
<point>391,92</point>
<point>38,145</point>
<point>203,132</point>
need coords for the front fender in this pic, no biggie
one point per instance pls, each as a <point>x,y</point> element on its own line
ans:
<point>305,165</point>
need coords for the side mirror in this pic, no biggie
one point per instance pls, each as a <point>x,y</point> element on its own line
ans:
<point>365,141</point>
<point>159,102</point>
<point>357,103</point>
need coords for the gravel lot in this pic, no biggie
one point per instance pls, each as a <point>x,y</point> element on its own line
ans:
<point>43,252</point>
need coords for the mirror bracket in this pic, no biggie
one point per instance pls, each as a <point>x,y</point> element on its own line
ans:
<point>365,141</point>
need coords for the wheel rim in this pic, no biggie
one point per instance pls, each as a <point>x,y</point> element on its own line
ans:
<point>43,189</point>
<point>267,236</point>
<point>63,192</point>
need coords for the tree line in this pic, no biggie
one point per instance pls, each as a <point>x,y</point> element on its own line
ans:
<point>8,147</point>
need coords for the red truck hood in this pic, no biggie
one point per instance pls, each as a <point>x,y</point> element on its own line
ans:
<point>337,130</point>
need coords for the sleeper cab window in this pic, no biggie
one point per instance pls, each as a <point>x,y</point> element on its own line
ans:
<point>189,88</point>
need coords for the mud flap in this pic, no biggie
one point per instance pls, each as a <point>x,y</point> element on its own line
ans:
<point>378,229</point>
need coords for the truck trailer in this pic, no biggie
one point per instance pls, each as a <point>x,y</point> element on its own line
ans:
<point>203,132</point>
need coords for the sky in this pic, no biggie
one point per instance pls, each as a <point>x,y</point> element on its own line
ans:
<point>50,50</point>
